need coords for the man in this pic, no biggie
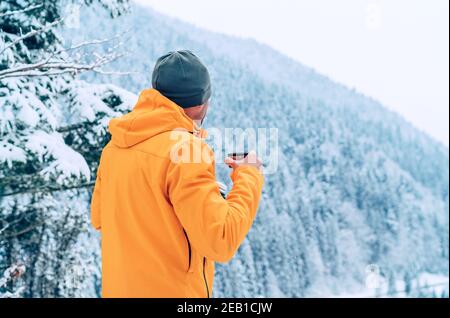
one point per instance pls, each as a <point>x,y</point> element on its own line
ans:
<point>162,219</point>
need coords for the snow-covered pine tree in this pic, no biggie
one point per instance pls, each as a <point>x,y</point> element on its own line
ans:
<point>52,127</point>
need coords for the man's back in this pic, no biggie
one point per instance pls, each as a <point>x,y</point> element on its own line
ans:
<point>163,221</point>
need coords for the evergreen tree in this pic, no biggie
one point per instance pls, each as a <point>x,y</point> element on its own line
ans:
<point>52,127</point>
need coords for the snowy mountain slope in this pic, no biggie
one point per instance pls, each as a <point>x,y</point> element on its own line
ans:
<point>357,184</point>
<point>273,67</point>
<point>165,33</point>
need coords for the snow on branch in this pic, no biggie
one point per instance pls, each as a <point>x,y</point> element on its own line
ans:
<point>54,64</point>
<point>46,68</point>
<point>50,188</point>
<point>75,126</point>
<point>31,33</point>
<point>8,13</point>
<point>23,231</point>
<point>12,273</point>
<point>95,42</point>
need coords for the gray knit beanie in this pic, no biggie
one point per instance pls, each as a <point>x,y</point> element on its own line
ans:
<point>181,77</point>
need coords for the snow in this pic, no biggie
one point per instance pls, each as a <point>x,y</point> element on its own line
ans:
<point>31,108</point>
<point>88,102</point>
<point>426,282</point>
<point>28,115</point>
<point>10,153</point>
<point>66,163</point>
<point>438,283</point>
<point>6,117</point>
<point>11,273</point>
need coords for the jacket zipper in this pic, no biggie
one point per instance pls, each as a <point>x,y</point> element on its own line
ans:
<point>189,247</point>
<point>204,263</point>
<point>204,276</point>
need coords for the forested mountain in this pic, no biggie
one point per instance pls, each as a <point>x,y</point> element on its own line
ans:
<point>356,184</point>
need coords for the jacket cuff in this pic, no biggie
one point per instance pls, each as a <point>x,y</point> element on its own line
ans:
<point>252,170</point>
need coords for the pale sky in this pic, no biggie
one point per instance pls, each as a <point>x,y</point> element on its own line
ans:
<point>396,51</point>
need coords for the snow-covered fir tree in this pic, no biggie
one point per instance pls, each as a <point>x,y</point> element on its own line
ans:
<point>52,127</point>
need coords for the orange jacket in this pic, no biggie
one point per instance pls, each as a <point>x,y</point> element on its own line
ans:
<point>162,219</point>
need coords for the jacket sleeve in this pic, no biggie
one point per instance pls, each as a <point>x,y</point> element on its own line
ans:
<point>215,226</point>
<point>95,202</point>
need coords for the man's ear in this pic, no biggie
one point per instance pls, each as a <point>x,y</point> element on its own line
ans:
<point>196,112</point>
<point>205,110</point>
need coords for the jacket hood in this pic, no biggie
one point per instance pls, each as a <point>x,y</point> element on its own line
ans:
<point>152,115</point>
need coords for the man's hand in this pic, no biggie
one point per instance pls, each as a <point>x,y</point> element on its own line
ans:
<point>251,160</point>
